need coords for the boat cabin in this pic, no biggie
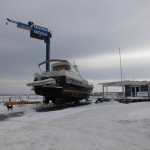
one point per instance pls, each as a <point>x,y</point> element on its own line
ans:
<point>58,67</point>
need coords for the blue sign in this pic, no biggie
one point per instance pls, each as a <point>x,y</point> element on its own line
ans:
<point>23,26</point>
<point>40,30</point>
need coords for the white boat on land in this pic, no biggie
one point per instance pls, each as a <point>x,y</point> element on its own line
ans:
<point>62,84</point>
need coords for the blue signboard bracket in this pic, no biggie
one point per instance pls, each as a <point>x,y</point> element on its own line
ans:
<point>37,32</point>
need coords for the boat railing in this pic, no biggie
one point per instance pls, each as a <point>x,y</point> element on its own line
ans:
<point>90,83</point>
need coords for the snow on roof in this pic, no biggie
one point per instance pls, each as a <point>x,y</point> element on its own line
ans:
<point>53,60</point>
<point>126,82</point>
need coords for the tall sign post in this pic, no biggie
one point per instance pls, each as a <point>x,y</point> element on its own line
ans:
<point>47,41</point>
<point>37,32</point>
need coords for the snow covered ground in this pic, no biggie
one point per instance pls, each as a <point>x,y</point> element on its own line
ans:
<point>102,126</point>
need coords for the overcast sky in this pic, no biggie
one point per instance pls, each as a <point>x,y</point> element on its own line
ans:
<point>89,32</point>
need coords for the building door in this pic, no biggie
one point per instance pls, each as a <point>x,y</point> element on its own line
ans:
<point>134,90</point>
<point>148,90</point>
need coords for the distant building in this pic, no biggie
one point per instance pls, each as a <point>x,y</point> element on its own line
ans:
<point>130,88</point>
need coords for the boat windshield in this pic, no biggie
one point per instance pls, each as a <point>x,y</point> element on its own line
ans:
<point>75,70</point>
<point>61,67</point>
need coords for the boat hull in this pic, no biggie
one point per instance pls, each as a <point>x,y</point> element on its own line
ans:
<point>63,94</point>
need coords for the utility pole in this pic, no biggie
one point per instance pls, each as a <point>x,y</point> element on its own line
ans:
<point>121,75</point>
<point>120,64</point>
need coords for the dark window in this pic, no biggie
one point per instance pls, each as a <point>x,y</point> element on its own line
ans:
<point>137,89</point>
<point>133,89</point>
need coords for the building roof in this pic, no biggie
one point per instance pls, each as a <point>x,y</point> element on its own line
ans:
<point>126,82</point>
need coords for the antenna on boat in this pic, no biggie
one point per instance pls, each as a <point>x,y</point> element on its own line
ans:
<point>40,69</point>
<point>73,63</point>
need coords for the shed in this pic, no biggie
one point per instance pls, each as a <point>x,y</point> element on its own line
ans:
<point>130,88</point>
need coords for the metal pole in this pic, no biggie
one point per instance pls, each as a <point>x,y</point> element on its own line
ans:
<point>120,64</point>
<point>121,75</point>
<point>106,91</point>
<point>47,53</point>
<point>47,41</point>
<point>103,89</point>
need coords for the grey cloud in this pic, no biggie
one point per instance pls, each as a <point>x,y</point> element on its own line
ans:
<point>80,28</point>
